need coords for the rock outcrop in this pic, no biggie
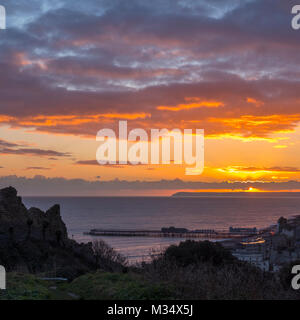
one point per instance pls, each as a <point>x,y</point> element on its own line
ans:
<point>37,242</point>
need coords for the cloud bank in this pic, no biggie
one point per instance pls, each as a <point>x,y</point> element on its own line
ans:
<point>42,186</point>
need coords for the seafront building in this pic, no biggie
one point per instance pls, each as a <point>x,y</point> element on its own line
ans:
<point>275,246</point>
<point>253,251</point>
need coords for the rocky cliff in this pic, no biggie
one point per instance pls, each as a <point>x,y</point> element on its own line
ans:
<point>37,242</point>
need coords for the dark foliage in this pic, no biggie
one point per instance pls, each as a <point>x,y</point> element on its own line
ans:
<point>191,252</point>
<point>206,270</point>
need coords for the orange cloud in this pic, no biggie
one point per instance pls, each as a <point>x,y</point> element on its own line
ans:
<point>4,118</point>
<point>255,102</point>
<point>255,121</point>
<point>71,120</point>
<point>240,137</point>
<point>22,60</point>
<point>250,126</point>
<point>195,103</point>
<point>240,170</point>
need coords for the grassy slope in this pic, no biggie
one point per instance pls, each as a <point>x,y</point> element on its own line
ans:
<point>106,286</point>
<point>92,286</point>
<point>25,287</point>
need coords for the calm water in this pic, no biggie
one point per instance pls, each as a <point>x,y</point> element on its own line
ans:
<point>213,211</point>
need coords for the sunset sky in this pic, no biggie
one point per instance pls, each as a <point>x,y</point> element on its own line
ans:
<point>71,68</point>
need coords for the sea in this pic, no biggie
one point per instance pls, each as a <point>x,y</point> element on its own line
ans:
<point>216,211</point>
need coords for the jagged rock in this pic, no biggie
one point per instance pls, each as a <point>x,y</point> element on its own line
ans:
<point>12,212</point>
<point>55,221</point>
<point>38,241</point>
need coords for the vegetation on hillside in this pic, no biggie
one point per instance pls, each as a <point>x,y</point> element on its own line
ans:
<point>190,270</point>
<point>206,270</point>
<point>25,287</point>
<point>118,286</point>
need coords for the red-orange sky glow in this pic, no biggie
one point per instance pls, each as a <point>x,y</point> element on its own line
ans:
<point>232,70</point>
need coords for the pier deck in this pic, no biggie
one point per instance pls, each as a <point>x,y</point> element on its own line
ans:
<point>158,233</point>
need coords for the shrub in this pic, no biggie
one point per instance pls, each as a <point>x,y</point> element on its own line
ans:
<point>107,258</point>
<point>204,270</point>
<point>192,252</point>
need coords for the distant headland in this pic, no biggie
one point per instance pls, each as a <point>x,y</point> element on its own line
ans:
<point>186,194</point>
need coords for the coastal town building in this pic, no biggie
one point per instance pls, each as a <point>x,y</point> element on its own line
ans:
<point>253,251</point>
<point>243,230</point>
<point>274,247</point>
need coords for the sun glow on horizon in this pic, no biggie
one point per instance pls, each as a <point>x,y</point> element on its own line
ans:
<point>252,189</point>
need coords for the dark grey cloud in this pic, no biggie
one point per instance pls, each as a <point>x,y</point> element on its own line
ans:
<point>42,186</point>
<point>115,166</point>
<point>6,144</point>
<point>11,148</point>
<point>87,162</point>
<point>33,152</point>
<point>37,168</point>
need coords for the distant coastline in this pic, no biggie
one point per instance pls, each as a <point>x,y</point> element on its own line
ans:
<point>199,194</point>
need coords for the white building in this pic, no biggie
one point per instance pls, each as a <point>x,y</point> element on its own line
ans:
<point>253,251</point>
<point>255,258</point>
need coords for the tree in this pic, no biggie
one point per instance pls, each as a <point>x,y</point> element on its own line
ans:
<point>282,222</point>
<point>192,252</point>
<point>108,258</point>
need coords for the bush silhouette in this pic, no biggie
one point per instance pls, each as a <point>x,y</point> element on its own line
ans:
<point>192,252</point>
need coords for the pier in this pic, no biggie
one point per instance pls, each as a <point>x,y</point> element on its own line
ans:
<point>168,234</point>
